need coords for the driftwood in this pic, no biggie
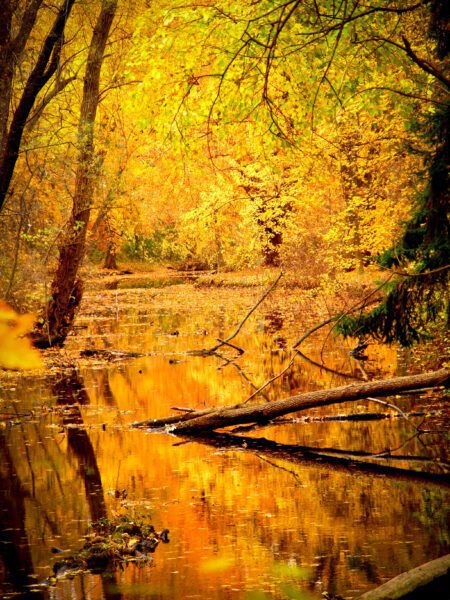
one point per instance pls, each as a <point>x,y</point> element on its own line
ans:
<point>211,419</point>
<point>429,581</point>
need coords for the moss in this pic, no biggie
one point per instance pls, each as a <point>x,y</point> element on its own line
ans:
<point>110,543</point>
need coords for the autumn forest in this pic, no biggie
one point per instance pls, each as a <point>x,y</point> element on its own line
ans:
<point>224,299</point>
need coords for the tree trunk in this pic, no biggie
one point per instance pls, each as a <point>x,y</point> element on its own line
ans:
<point>67,287</point>
<point>11,50</point>
<point>205,420</point>
<point>45,67</point>
<point>110,257</point>
<point>6,70</point>
<point>431,580</point>
<point>271,250</point>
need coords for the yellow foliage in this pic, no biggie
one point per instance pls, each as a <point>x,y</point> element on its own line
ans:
<point>16,351</point>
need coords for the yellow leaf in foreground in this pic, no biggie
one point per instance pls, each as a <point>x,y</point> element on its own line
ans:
<point>16,351</point>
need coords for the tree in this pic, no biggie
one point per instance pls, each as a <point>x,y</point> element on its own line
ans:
<point>421,258</point>
<point>283,132</point>
<point>349,49</point>
<point>46,64</point>
<point>67,286</point>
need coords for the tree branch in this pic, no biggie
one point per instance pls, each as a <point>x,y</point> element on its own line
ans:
<point>226,341</point>
<point>44,68</point>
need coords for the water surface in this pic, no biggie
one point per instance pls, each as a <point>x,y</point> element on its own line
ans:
<point>245,523</point>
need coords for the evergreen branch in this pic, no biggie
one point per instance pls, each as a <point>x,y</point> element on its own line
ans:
<point>422,274</point>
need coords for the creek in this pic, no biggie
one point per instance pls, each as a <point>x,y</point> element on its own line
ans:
<point>243,524</point>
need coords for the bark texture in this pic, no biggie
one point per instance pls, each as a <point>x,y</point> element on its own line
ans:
<point>67,287</point>
<point>198,421</point>
<point>429,581</point>
<point>6,69</point>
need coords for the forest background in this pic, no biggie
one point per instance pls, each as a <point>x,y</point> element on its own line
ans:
<point>310,136</point>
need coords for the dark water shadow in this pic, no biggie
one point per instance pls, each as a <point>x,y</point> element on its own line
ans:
<point>320,459</point>
<point>15,553</point>
<point>70,391</point>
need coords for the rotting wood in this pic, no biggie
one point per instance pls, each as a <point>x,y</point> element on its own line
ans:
<point>210,419</point>
<point>430,580</point>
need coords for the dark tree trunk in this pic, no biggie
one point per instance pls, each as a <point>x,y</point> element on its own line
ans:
<point>44,69</point>
<point>67,287</point>
<point>271,250</point>
<point>110,257</point>
<point>11,50</point>
<point>6,69</point>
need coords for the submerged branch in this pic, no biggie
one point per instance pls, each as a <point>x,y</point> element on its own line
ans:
<point>295,346</point>
<point>320,459</point>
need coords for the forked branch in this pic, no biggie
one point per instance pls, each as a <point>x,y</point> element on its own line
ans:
<point>226,341</point>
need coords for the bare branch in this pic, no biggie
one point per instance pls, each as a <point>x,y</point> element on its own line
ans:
<point>226,341</point>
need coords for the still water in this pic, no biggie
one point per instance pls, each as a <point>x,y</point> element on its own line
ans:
<point>245,524</point>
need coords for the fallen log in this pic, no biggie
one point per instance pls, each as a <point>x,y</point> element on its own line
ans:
<point>211,419</point>
<point>430,580</point>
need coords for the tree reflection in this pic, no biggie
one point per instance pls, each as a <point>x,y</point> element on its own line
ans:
<point>70,391</point>
<point>324,458</point>
<point>15,553</point>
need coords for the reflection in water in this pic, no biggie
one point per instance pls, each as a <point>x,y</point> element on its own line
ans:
<point>15,555</point>
<point>69,390</point>
<point>243,519</point>
<point>341,460</point>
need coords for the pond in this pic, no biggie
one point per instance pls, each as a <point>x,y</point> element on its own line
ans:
<point>244,523</point>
